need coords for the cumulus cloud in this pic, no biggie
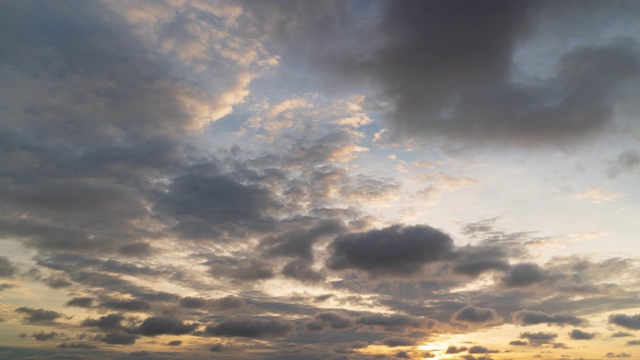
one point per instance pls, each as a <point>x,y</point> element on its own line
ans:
<point>82,302</point>
<point>396,250</point>
<point>474,315</point>
<point>577,334</point>
<point>398,341</point>
<point>452,349</point>
<point>39,316</point>
<point>524,274</point>
<point>539,338</point>
<point>627,321</point>
<point>527,317</point>
<point>163,325</point>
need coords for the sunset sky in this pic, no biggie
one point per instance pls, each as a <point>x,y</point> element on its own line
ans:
<point>281,179</point>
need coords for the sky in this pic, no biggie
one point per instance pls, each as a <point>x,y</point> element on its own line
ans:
<point>336,180</point>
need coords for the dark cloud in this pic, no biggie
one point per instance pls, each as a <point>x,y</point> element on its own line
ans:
<point>474,315</point>
<point>524,274</point>
<point>621,334</point>
<point>335,320</point>
<point>518,343</point>
<point>396,250</point>
<point>252,328</point>
<point>117,338</point>
<point>627,161</point>
<point>628,321</point>
<point>454,349</point>
<point>577,334</point>
<point>6,268</point>
<point>538,338</point>
<point>174,343</point>
<point>633,342</point>
<point>560,346</point>
<point>403,355</point>
<point>527,317</point>
<point>216,347</point>
<point>301,270</point>
<point>480,350</point>
<point>162,325</point>
<point>6,286</point>
<point>202,202</point>
<point>34,316</point>
<point>42,336</point>
<point>82,302</point>
<point>193,302</point>
<point>390,321</point>
<point>136,249</point>
<point>126,305</point>
<point>398,341</point>
<point>76,345</point>
<point>107,322</point>
<point>241,269</point>
<point>617,355</point>
<point>435,83</point>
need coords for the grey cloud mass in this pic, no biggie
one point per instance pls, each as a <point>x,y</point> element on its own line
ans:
<point>395,250</point>
<point>627,321</point>
<point>446,68</point>
<point>472,314</point>
<point>577,334</point>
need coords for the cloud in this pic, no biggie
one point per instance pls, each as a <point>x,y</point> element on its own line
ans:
<point>82,302</point>
<point>127,305</point>
<point>518,343</point>
<point>480,350</point>
<point>37,316</point>
<point>335,320</point>
<point>474,315</point>
<point>396,250</point>
<point>252,328</point>
<point>6,268</point>
<point>433,83</point>
<point>193,302</point>
<point>42,336</point>
<point>174,343</point>
<point>398,341</point>
<point>617,355</point>
<point>454,349</point>
<point>163,325</point>
<point>538,338</point>
<point>633,342</point>
<point>527,317</point>
<point>577,334</point>
<point>621,334</point>
<point>627,321</point>
<point>524,274</point>
<point>117,338</point>
<point>107,322</point>
<point>627,161</point>
<point>300,270</point>
<point>76,345</point>
<point>202,202</point>
<point>391,322</point>
<point>216,347</point>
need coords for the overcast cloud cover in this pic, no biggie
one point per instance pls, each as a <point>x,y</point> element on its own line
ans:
<point>325,179</point>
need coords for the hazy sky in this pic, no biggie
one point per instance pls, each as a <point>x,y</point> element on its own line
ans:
<point>281,179</point>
